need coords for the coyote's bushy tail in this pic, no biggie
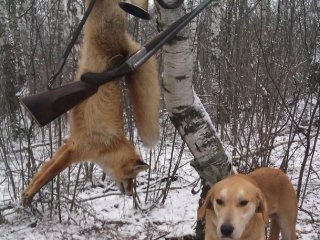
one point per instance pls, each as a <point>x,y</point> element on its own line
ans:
<point>144,92</point>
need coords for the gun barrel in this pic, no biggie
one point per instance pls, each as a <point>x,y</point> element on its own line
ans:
<point>46,106</point>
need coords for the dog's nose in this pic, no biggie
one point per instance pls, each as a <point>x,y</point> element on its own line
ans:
<point>226,230</point>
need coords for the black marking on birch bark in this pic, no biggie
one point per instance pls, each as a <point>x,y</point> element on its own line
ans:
<point>208,142</point>
<point>210,139</point>
<point>197,147</point>
<point>187,117</point>
<point>207,171</point>
<point>181,108</point>
<point>177,38</point>
<point>190,119</point>
<point>172,5</point>
<point>214,169</point>
<point>189,112</point>
<point>166,89</point>
<point>181,78</point>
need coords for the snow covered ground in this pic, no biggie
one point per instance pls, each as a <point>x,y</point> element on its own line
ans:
<point>100,212</point>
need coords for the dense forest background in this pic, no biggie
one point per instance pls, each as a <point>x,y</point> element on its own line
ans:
<point>256,70</point>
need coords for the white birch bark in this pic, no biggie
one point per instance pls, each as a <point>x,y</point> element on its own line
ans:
<point>185,109</point>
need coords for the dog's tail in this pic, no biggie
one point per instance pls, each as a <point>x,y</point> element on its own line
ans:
<point>144,93</point>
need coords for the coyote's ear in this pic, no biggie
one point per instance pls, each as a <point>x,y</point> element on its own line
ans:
<point>140,165</point>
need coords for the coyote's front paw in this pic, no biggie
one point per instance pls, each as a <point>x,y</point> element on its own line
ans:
<point>27,198</point>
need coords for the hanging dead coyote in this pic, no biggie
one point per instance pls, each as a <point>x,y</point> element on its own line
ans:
<point>97,133</point>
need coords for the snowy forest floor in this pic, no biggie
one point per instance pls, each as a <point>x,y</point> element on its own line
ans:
<point>100,212</point>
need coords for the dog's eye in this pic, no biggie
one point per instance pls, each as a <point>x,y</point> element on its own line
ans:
<point>219,202</point>
<point>244,203</point>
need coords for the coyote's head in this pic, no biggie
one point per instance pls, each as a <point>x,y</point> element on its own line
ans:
<point>122,163</point>
<point>126,174</point>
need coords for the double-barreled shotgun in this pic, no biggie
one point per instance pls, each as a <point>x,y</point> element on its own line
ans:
<point>46,106</point>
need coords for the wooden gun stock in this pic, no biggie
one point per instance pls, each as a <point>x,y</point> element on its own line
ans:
<point>46,106</point>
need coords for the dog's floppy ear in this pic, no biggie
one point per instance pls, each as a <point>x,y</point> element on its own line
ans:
<point>207,204</point>
<point>262,206</point>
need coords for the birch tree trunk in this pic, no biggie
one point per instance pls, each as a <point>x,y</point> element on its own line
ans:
<point>186,110</point>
